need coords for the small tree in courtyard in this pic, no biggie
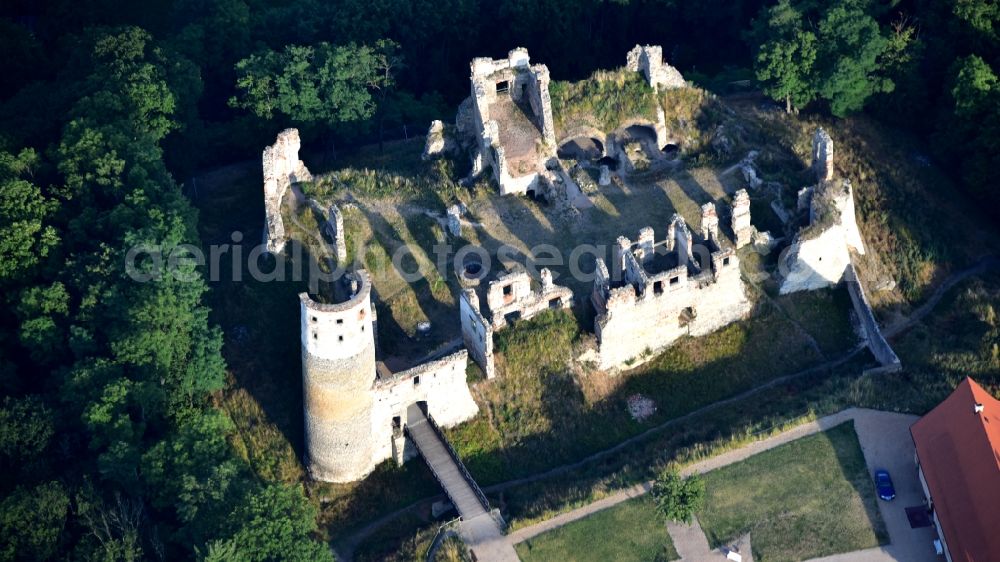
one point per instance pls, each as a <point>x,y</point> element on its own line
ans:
<point>678,498</point>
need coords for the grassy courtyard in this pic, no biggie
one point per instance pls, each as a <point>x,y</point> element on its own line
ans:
<point>812,497</point>
<point>629,531</point>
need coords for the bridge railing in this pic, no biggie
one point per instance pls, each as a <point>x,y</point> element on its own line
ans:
<point>461,466</point>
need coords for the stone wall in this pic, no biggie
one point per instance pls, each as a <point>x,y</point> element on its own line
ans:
<point>511,298</point>
<point>877,343</point>
<point>649,61</point>
<point>523,79</point>
<point>441,384</point>
<point>656,305</point>
<point>282,168</point>
<point>477,332</point>
<point>335,229</point>
<point>822,155</point>
<point>820,253</point>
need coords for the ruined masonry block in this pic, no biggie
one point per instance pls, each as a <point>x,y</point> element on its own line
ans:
<point>455,220</point>
<point>439,143</point>
<point>709,222</point>
<point>336,227</point>
<point>742,228</point>
<point>282,168</point>
<point>822,154</point>
<point>649,61</point>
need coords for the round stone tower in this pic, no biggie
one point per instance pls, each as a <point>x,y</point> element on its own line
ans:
<point>338,370</point>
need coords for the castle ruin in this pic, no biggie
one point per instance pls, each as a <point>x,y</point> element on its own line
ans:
<point>655,293</point>
<point>508,298</point>
<point>648,60</point>
<point>820,252</point>
<point>511,118</point>
<point>354,408</point>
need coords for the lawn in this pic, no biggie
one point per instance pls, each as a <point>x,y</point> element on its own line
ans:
<point>628,531</point>
<point>812,497</point>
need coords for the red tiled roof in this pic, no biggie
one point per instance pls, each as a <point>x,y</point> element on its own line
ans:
<point>959,451</point>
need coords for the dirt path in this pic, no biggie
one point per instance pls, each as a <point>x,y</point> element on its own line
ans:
<point>347,546</point>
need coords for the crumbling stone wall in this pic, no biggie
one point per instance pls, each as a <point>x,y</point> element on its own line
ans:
<point>335,229</point>
<point>820,252</point>
<point>477,332</point>
<point>282,168</point>
<point>822,155</point>
<point>651,298</point>
<point>439,142</point>
<point>649,61</point>
<point>523,79</point>
<point>742,229</point>
<point>509,298</point>
<point>353,417</point>
<point>877,343</point>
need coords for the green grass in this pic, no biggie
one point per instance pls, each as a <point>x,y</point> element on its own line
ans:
<point>825,315</point>
<point>538,413</point>
<point>628,531</point>
<point>811,497</point>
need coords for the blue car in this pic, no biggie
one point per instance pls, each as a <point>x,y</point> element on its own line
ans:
<point>883,485</point>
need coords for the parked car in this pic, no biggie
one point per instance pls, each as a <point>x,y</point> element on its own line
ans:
<point>883,485</point>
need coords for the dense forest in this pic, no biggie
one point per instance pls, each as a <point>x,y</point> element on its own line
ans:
<point>111,443</point>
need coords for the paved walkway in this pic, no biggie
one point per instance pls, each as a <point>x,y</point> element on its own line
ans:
<point>885,442</point>
<point>690,541</point>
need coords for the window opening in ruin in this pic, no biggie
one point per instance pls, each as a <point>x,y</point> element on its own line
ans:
<point>416,380</point>
<point>503,86</point>
<point>396,422</point>
<point>512,317</point>
<point>313,318</point>
<point>340,338</point>
<point>555,303</point>
<point>508,290</point>
<point>362,327</point>
<point>725,261</point>
<point>675,280</point>
<point>340,320</point>
<point>658,288</point>
<point>315,336</point>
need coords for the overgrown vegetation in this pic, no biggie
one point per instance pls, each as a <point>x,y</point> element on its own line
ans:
<point>604,101</point>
